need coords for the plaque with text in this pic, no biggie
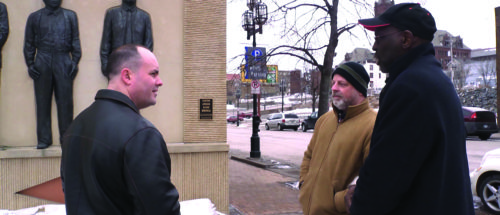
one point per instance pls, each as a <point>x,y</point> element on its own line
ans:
<point>206,109</point>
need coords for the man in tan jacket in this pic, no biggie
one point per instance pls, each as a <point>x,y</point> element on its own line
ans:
<point>339,145</point>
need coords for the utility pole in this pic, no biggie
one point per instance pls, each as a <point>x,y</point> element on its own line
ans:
<point>451,61</point>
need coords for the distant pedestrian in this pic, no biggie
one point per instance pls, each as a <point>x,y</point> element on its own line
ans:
<point>418,160</point>
<point>339,145</point>
<point>114,161</point>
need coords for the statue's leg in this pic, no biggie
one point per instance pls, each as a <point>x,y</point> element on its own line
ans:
<point>43,98</point>
<point>63,91</point>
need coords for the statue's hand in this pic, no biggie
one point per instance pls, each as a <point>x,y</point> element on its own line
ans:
<point>34,74</point>
<point>74,70</point>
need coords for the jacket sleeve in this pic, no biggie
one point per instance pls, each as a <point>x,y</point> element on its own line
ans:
<point>304,166</point>
<point>4,24</point>
<point>106,41</point>
<point>148,37</point>
<point>76,51</point>
<point>400,144</point>
<point>29,41</point>
<point>147,174</point>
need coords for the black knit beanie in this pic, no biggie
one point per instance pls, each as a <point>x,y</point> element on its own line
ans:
<point>355,74</point>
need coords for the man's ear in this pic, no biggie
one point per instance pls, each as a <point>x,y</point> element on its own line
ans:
<point>126,76</point>
<point>407,39</point>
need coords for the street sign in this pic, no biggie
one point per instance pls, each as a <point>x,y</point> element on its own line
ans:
<point>255,66</point>
<point>271,78</point>
<point>255,87</point>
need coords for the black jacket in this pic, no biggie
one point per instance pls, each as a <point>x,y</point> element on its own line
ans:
<point>114,161</point>
<point>33,41</point>
<point>418,160</point>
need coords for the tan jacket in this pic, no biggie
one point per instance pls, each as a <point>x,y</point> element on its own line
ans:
<point>333,159</point>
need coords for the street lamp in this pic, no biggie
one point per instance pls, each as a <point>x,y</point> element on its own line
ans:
<point>282,89</point>
<point>256,15</point>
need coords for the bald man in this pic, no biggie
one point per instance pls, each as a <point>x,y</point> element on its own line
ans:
<point>114,161</point>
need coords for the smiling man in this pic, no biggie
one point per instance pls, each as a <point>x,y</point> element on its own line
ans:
<point>339,144</point>
<point>418,160</point>
<point>114,161</point>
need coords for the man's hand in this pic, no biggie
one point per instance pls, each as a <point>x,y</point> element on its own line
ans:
<point>348,197</point>
<point>74,70</point>
<point>33,73</point>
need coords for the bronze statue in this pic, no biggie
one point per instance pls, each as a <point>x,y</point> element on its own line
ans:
<point>4,27</point>
<point>52,52</point>
<point>125,24</point>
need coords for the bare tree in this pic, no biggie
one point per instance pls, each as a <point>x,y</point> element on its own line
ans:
<point>487,71</point>
<point>305,24</point>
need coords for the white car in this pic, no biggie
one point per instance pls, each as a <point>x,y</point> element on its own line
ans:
<point>485,181</point>
<point>282,121</point>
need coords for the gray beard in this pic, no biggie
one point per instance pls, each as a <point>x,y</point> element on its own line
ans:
<point>340,104</point>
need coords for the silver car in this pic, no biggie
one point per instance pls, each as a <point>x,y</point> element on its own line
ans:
<point>485,181</point>
<point>282,121</point>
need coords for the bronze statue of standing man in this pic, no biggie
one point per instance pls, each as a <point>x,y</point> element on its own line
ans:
<point>52,52</point>
<point>125,24</point>
<point>4,28</point>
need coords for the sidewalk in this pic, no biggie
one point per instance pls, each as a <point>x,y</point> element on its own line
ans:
<point>256,191</point>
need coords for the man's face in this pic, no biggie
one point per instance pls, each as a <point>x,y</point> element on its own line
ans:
<point>387,46</point>
<point>343,93</point>
<point>52,4</point>
<point>146,81</point>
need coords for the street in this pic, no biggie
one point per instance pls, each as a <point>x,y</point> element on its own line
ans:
<point>288,146</point>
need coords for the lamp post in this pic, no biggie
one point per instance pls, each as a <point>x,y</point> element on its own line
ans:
<point>238,94</point>
<point>256,15</point>
<point>282,89</point>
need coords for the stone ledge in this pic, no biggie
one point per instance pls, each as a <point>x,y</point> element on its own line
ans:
<point>30,152</point>
<point>55,151</point>
<point>174,148</point>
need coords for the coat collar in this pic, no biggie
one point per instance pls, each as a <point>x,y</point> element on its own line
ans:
<point>116,96</point>
<point>354,110</point>
<point>50,12</point>
<point>128,8</point>
<point>404,61</point>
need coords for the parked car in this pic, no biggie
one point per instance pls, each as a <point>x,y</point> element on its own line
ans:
<point>282,121</point>
<point>233,119</point>
<point>485,181</point>
<point>479,122</point>
<point>245,115</point>
<point>309,122</point>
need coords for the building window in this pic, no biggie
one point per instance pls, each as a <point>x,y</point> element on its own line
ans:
<point>371,74</point>
<point>371,67</point>
<point>380,75</point>
<point>371,84</point>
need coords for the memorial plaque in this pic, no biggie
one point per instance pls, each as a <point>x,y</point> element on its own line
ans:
<point>206,109</point>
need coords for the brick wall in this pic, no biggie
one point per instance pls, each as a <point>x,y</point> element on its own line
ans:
<point>204,69</point>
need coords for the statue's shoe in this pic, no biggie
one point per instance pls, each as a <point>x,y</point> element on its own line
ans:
<point>43,146</point>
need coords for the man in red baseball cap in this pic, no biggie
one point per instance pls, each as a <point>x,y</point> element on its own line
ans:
<point>418,160</point>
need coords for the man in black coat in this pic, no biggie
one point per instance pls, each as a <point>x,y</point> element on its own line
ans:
<point>52,52</point>
<point>418,160</point>
<point>114,161</point>
<point>125,24</point>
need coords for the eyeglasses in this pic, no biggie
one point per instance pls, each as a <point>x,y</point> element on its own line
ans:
<point>380,37</point>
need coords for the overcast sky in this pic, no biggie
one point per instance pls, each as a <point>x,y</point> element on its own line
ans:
<point>473,20</point>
